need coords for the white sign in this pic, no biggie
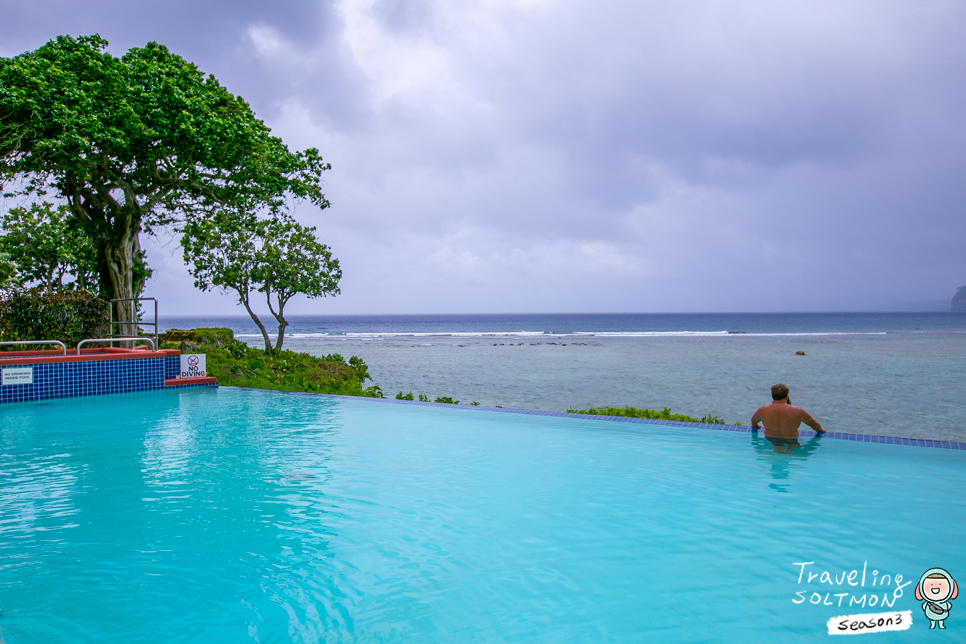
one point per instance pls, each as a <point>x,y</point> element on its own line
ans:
<point>18,375</point>
<point>192,365</point>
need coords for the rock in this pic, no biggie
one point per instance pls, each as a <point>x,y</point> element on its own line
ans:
<point>799,353</point>
<point>959,300</point>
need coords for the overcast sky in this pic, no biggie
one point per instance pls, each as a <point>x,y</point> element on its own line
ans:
<point>578,156</point>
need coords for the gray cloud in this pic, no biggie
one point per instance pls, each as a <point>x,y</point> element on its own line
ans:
<point>627,156</point>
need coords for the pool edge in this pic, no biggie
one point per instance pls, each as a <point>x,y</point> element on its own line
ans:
<point>805,433</point>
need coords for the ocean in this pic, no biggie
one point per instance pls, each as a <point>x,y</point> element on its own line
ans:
<point>893,374</point>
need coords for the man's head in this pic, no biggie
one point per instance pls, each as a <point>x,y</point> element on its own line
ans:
<point>779,392</point>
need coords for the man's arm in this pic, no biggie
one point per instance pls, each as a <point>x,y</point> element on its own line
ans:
<point>811,422</point>
<point>756,419</point>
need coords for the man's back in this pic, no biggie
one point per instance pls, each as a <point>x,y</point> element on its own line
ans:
<point>782,419</point>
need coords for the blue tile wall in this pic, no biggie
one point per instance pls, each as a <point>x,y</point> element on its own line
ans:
<point>89,378</point>
<point>172,365</point>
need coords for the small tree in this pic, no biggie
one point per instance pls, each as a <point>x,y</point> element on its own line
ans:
<point>46,246</point>
<point>238,253</point>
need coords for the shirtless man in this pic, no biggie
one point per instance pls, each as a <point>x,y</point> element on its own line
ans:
<point>781,418</point>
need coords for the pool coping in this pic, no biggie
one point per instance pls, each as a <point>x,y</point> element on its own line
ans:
<point>804,433</point>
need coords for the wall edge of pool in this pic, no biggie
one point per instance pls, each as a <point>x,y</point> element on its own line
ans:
<point>805,433</point>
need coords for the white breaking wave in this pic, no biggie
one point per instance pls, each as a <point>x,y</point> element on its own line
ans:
<point>455,334</point>
<point>547,334</point>
<point>649,334</point>
<point>646,334</point>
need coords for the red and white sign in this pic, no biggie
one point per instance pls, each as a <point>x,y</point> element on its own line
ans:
<point>192,365</point>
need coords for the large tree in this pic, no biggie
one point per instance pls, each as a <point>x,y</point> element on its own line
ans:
<point>135,142</point>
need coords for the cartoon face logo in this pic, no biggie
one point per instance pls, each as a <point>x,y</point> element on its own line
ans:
<point>935,590</point>
<point>936,587</point>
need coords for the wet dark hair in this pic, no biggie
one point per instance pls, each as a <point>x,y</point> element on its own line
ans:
<point>779,392</point>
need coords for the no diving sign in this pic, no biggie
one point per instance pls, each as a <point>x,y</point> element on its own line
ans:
<point>192,365</point>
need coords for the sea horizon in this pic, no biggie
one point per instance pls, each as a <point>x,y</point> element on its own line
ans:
<point>570,323</point>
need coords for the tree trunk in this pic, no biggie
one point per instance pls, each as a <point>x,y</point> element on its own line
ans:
<point>119,262</point>
<point>243,298</point>
<point>281,331</point>
<point>279,317</point>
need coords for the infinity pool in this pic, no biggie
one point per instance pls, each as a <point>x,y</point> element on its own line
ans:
<point>231,516</point>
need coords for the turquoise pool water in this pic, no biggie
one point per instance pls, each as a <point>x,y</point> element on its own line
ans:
<point>231,516</point>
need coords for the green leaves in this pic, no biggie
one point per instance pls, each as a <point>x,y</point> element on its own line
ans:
<point>8,272</point>
<point>291,260</point>
<point>46,245</point>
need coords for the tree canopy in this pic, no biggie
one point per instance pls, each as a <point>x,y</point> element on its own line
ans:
<point>135,142</point>
<point>8,272</point>
<point>239,253</point>
<point>46,248</point>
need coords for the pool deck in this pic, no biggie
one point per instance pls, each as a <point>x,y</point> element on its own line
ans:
<point>804,433</point>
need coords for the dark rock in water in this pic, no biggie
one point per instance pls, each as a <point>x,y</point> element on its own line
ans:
<point>959,300</point>
<point>799,353</point>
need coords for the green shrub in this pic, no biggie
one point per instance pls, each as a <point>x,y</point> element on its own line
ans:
<point>218,337</point>
<point>423,398</point>
<point>633,412</point>
<point>66,315</point>
<point>408,396</point>
<point>446,400</point>
<point>235,364</point>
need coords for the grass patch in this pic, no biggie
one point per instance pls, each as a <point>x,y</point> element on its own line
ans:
<point>446,400</point>
<point>653,414</point>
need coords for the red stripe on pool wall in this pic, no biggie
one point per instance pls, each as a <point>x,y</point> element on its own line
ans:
<point>87,355</point>
<point>200,380</point>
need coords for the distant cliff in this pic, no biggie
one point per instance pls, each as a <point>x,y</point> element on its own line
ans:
<point>959,300</point>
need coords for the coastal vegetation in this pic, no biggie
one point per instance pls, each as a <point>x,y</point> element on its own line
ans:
<point>634,412</point>
<point>235,364</point>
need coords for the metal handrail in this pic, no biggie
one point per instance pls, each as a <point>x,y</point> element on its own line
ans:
<point>114,340</point>
<point>62,347</point>
<point>136,323</point>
